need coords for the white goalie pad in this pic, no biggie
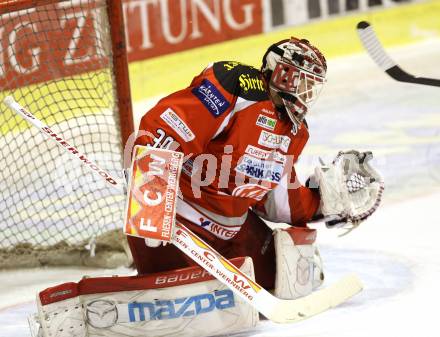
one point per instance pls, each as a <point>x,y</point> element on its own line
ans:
<point>350,188</point>
<point>298,263</point>
<point>186,302</point>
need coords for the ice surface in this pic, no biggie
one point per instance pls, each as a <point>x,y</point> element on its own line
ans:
<point>395,252</point>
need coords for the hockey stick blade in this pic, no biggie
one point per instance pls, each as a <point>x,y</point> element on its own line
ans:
<point>376,51</point>
<point>275,309</point>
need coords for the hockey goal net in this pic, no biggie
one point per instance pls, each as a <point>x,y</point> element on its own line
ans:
<point>66,62</point>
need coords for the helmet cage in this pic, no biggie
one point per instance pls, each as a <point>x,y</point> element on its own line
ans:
<point>294,108</point>
<point>297,87</point>
<point>295,72</point>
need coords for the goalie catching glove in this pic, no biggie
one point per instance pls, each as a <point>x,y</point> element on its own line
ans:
<point>350,188</point>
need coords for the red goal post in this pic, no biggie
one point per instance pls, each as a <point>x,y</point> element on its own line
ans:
<point>67,61</point>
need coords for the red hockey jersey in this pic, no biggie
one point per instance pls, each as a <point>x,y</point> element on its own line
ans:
<point>238,152</point>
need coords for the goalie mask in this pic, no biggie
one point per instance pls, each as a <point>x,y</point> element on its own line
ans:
<point>295,73</point>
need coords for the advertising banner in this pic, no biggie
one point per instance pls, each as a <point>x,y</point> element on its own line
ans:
<point>57,41</point>
<point>160,27</point>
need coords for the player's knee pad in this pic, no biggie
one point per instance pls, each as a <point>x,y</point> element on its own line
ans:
<point>184,302</point>
<point>298,263</point>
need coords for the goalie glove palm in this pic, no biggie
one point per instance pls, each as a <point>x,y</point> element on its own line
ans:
<point>350,188</point>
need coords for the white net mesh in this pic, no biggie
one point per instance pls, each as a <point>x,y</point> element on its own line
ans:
<point>56,60</point>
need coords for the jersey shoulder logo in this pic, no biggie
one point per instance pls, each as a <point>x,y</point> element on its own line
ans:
<point>211,98</point>
<point>241,80</point>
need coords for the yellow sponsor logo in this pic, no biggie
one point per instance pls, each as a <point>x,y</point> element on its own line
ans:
<point>251,83</point>
<point>230,65</point>
<point>224,262</point>
<point>198,242</point>
<point>234,270</point>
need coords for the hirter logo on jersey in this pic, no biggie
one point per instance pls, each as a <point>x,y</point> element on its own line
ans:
<point>211,98</point>
<point>249,83</point>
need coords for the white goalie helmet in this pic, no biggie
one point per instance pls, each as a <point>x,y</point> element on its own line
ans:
<point>295,73</point>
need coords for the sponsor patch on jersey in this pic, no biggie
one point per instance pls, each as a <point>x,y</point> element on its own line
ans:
<point>251,82</point>
<point>221,231</point>
<point>265,155</point>
<point>177,124</point>
<point>211,98</point>
<point>260,169</point>
<point>241,80</point>
<point>266,122</point>
<point>274,141</point>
